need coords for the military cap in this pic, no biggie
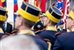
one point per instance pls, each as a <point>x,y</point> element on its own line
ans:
<point>54,14</point>
<point>3,16</point>
<point>29,12</point>
<point>71,14</point>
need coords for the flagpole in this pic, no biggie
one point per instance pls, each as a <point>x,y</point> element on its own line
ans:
<point>50,4</point>
<point>64,17</point>
<point>66,7</point>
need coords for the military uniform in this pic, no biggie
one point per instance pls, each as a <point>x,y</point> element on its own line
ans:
<point>49,33</point>
<point>38,27</point>
<point>60,28</point>
<point>30,13</point>
<point>42,44</point>
<point>65,41</point>
<point>54,15</point>
<point>2,20</point>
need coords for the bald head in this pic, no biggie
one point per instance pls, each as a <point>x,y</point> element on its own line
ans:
<point>18,42</point>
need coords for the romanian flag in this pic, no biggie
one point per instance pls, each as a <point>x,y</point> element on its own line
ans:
<point>15,5</point>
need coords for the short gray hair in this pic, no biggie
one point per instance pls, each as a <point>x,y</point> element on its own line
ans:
<point>18,42</point>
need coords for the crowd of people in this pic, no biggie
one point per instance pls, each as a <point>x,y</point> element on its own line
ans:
<point>35,30</point>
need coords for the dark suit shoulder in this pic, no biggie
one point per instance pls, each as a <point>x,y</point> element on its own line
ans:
<point>66,35</point>
<point>47,34</point>
<point>65,41</point>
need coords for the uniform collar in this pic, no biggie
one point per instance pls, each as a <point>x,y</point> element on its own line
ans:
<point>28,32</point>
<point>51,28</point>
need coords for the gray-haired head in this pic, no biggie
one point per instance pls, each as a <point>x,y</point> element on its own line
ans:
<point>18,42</point>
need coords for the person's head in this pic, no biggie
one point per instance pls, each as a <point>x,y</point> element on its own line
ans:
<point>54,15</point>
<point>41,24</point>
<point>3,16</point>
<point>20,21</point>
<point>70,20</point>
<point>44,19</point>
<point>21,42</point>
<point>27,15</point>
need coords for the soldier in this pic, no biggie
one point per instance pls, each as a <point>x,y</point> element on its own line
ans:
<point>3,18</point>
<point>41,25</point>
<point>66,40</point>
<point>54,15</point>
<point>27,17</point>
